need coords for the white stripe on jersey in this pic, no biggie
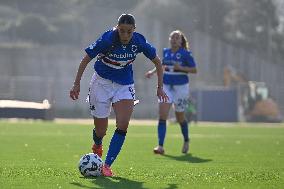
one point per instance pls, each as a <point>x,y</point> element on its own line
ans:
<point>120,62</point>
<point>170,71</point>
<point>175,73</point>
<point>111,65</point>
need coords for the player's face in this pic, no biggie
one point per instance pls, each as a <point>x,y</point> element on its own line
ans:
<point>125,32</point>
<point>175,40</point>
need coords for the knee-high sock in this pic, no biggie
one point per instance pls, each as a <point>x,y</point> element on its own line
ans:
<point>115,146</point>
<point>97,140</point>
<point>184,130</point>
<point>162,128</point>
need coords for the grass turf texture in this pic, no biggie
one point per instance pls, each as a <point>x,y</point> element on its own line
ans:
<point>45,155</point>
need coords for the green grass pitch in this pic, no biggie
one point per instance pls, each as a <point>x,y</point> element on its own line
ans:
<point>35,154</point>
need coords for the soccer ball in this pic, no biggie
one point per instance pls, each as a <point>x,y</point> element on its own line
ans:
<point>90,165</point>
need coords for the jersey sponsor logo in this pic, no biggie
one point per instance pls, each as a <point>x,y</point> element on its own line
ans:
<point>121,56</point>
<point>171,62</point>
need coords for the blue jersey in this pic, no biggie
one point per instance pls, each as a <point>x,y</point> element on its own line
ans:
<point>181,57</point>
<point>115,60</point>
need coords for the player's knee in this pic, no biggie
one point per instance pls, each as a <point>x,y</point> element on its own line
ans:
<point>180,119</point>
<point>100,134</point>
<point>163,116</point>
<point>122,125</point>
<point>121,132</point>
<point>100,131</point>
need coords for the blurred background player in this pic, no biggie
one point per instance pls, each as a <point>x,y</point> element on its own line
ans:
<point>112,83</point>
<point>177,62</point>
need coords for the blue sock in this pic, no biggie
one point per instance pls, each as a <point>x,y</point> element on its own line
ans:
<point>162,128</point>
<point>184,130</point>
<point>97,140</point>
<point>115,146</point>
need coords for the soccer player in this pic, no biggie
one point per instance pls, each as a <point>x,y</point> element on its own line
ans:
<point>112,83</point>
<point>177,62</point>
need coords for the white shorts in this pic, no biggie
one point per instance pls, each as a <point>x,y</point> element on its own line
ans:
<point>179,95</point>
<point>103,93</point>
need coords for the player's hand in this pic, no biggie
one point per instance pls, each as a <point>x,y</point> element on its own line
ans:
<point>162,95</point>
<point>149,74</point>
<point>75,91</point>
<point>177,67</point>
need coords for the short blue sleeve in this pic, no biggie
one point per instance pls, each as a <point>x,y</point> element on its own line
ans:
<point>98,47</point>
<point>146,48</point>
<point>149,51</point>
<point>190,62</point>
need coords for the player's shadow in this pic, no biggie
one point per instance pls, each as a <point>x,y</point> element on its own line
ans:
<point>172,186</point>
<point>188,158</point>
<point>111,182</point>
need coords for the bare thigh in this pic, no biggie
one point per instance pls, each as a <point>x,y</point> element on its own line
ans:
<point>180,117</point>
<point>164,109</point>
<point>123,110</point>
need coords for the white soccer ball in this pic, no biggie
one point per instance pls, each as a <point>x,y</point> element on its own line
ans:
<point>90,165</point>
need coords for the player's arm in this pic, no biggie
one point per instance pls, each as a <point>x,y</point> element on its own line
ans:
<point>150,73</point>
<point>159,70</point>
<point>185,69</point>
<point>91,52</point>
<point>75,90</point>
<point>150,52</point>
<point>190,66</point>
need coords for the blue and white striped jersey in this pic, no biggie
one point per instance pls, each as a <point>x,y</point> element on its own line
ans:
<point>114,61</point>
<point>182,57</point>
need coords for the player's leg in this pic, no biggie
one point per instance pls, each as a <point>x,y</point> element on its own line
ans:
<point>123,104</point>
<point>123,110</point>
<point>98,133</point>
<point>164,109</point>
<point>181,95</point>
<point>180,116</point>
<point>100,105</point>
